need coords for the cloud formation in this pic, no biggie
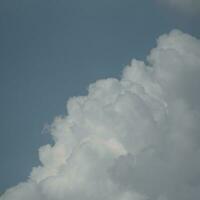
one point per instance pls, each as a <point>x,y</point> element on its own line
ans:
<point>136,138</point>
<point>187,6</point>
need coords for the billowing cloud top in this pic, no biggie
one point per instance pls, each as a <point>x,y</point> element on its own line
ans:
<point>188,6</point>
<point>137,138</point>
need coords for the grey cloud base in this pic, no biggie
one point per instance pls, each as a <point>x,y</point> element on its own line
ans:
<point>137,138</point>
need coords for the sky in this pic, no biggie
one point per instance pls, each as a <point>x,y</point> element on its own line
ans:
<point>53,50</point>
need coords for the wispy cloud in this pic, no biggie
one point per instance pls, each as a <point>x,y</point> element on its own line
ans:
<point>186,6</point>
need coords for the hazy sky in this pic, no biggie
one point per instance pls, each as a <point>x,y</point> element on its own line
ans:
<point>51,50</point>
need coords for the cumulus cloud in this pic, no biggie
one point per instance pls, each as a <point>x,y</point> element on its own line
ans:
<point>188,6</point>
<point>137,138</point>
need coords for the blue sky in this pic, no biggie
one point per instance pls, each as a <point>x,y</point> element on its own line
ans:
<point>51,50</point>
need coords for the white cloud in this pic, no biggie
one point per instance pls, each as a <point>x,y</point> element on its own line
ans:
<point>131,139</point>
<point>187,6</point>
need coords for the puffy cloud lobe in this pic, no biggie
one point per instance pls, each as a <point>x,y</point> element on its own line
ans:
<point>187,6</point>
<point>131,139</point>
